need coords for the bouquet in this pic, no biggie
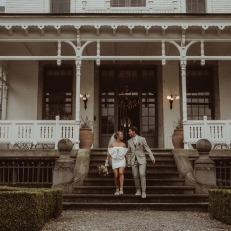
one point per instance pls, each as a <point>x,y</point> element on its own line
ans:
<point>102,170</point>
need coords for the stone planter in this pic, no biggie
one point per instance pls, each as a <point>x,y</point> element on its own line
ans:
<point>177,138</point>
<point>86,138</point>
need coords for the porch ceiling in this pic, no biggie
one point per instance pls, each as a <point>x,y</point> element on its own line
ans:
<point>120,35</point>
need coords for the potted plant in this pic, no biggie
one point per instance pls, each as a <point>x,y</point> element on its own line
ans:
<point>178,136</point>
<point>86,135</point>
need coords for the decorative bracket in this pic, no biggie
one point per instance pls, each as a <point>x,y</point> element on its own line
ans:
<point>130,29</point>
<point>97,27</point>
<point>10,30</point>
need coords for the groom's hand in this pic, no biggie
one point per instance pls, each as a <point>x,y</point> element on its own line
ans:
<point>154,161</point>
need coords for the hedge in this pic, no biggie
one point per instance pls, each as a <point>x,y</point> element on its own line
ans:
<point>220,204</point>
<point>25,209</point>
<point>28,185</point>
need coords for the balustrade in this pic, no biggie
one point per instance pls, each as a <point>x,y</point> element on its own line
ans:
<point>218,132</point>
<point>31,134</point>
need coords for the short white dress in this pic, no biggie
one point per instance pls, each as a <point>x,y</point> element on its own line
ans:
<point>118,156</point>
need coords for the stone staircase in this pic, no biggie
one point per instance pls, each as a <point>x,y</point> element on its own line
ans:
<point>165,190</point>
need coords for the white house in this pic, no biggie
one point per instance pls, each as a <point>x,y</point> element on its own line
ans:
<point>128,55</point>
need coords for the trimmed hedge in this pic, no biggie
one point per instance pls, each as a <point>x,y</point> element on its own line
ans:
<point>27,185</point>
<point>28,208</point>
<point>220,204</point>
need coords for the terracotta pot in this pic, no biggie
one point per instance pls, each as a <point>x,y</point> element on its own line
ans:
<point>177,138</point>
<point>86,138</point>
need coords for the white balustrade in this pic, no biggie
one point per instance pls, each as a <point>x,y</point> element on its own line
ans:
<point>216,131</point>
<point>38,131</point>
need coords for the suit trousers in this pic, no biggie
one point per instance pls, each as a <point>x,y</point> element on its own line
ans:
<point>139,175</point>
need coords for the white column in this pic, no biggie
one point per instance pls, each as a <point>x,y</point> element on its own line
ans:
<point>184,98</point>
<point>77,106</point>
<point>4,102</point>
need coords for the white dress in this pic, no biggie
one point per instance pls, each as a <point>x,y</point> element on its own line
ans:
<point>118,156</point>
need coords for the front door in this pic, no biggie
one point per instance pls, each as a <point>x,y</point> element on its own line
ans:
<point>128,97</point>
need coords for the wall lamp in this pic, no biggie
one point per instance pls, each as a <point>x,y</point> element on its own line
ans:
<point>85,99</point>
<point>171,99</point>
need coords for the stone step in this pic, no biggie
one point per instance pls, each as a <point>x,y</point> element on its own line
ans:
<point>131,198</point>
<point>131,189</point>
<point>199,207</point>
<point>102,156</point>
<point>164,162</point>
<point>130,182</point>
<point>149,175</point>
<point>151,168</point>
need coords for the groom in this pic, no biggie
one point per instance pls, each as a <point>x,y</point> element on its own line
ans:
<point>137,159</point>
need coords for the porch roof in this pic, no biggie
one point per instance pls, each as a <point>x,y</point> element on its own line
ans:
<point>35,36</point>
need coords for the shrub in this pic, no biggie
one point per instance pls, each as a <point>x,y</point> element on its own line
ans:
<point>28,185</point>
<point>28,209</point>
<point>220,204</point>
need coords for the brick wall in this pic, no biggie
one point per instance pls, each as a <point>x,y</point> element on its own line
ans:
<point>23,90</point>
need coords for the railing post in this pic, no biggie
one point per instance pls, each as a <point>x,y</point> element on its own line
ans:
<point>57,132</point>
<point>84,4</point>
<point>227,137</point>
<point>108,4</point>
<point>35,135</point>
<point>186,132</point>
<point>150,4</point>
<point>13,133</point>
<point>205,128</point>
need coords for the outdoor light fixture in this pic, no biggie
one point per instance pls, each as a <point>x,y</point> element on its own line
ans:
<point>85,99</point>
<point>171,99</point>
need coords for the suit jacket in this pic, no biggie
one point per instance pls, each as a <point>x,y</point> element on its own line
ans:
<point>138,151</point>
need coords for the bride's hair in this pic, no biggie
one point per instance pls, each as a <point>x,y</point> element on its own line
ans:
<point>116,134</point>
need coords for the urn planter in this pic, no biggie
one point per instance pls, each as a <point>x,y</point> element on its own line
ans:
<point>86,138</point>
<point>177,138</point>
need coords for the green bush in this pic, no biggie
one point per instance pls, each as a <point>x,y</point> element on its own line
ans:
<point>25,209</point>
<point>220,204</point>
<point>28,185</point>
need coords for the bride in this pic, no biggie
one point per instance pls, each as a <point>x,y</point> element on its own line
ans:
<point>117,150</point>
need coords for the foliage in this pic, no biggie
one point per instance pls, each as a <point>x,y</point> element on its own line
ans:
<point>86,123</point>
<point>28,185</point>
<point>28,208</point>
<point>178,124</point>
<point>220,204</point>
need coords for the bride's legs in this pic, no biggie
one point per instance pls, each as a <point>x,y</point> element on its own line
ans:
<point>121,173</point>
<point>116,179</point>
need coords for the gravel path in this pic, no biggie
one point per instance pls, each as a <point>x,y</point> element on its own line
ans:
<point>134,220</point>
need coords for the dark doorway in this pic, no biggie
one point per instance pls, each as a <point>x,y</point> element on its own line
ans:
<point>128,97</point>
<point>128,117</point>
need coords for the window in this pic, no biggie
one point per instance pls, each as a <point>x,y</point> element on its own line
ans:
<point>199,93</point>
<point>195,6</point>
<point>58,93</point>
<point>60,6</point>
<point>128,3</point>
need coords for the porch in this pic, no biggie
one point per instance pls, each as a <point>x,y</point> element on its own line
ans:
<point>171,43</point>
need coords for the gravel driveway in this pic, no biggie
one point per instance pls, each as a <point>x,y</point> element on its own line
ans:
<point>134,220</point>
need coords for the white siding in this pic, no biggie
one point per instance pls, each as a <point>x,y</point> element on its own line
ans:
<point>170,74</point>
<point>25,6</point>
<point>221,6</point>
<point>224,88</point>
<point>23,90</point>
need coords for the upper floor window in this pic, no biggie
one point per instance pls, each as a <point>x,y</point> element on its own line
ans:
<point>128,3</point>
<point>195,6</point>
<point>60,6</point>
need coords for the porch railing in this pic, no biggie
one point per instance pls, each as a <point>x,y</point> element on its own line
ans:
<point>30,133</point>
<point>218,132</point>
